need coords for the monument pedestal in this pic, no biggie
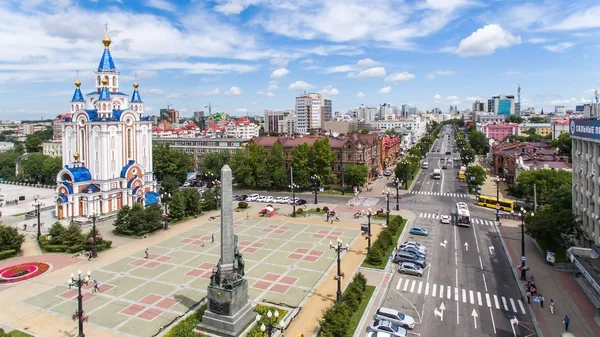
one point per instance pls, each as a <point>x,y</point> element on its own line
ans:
<point>229,312</point>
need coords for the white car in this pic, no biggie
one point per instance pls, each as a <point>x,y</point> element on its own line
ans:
<point>278,200</point>
<point>284,200</point>
<point>253,197</point>
<point>415,244</point>
<point>445,219</point>
<point>268,198</point>
<point>261,198</point>
<point>293,200</point>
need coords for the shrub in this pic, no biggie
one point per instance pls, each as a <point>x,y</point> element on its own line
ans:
<point>375,255</point>
<point>262,310</point>
<point>7,253</point>
<point>139,220</point>
<point>186,328</point>
<point>319,209</point>
<point>386,238</point>
<point>299,211</point>
<point>334,322</point>
<point>10,238</point>
<point>242,205</point>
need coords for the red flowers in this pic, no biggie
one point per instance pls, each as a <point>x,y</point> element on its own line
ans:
<point>22,272</point>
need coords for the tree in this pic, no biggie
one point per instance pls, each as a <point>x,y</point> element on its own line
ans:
<point>212,163</point>
<point>468,155</point>
<point>262,132</point>
<point>137,220</point>
<point>55,233</point>
<point>546,181</point>
<point>476,175</point>
<point>8,164</point>
<point>50,169</point>
<point>364,131</point>
<point>403,170</point>
<point>515,119</point>
<point>301,163</point>
<point>72,235</point>
<point>10,239</point>
<point>322,160</point>
<point>242,173</point>
<point>355,175</point>
<point>537,119</point>
<point>478,142</point>
<point>177,206</point>
<point>391,133</point>
<point>33,142</point>
<point>169,185</point>
<point>274,166</point>
<point>167,161</point>
<point>563,144</point>
<point>31,167</point>
<point>191,197</point>
<point>210,202</point>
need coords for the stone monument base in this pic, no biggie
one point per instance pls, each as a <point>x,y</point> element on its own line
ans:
<point>229,312</point>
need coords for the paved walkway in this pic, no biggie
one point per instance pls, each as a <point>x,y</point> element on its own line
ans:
<point>561,287</point>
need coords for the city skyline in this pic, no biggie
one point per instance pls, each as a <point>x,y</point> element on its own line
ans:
<point>245,56</point>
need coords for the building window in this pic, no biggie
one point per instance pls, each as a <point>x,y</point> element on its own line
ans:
<point>129,144</point>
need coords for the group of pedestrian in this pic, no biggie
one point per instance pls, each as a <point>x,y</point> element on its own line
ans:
<point>532,292</point>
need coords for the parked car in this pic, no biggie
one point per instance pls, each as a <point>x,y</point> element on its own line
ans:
<point>445,219</point>
<point>186,184</point>
<point>380,325</point>
<point>278,200</point>
<point>300,202</point>
<point>414,244</point>
<point>395,317</point>
<point>408,257</point>
<point>387,172</point>
<point>378,334</point>
<point>410,268</point>
<point>243,197</point>
<point>418,231</point>
<point>285,200</point>
<point>448,153</point>
<point>268,198</point>
<point>235,197</point>
<point>415,251</point>
<point>252,197</point>
<point>293,200</point>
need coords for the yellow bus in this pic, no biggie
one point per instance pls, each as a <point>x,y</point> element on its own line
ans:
<point>461,174</point>
<point>490,202</point>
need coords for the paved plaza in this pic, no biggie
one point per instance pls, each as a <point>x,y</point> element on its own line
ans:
<point>284,261</point>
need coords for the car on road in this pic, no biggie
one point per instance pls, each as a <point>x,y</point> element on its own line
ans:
<point>395,317</point>
<point>448,153</point>
<point>268,198</point>
<point>293,200</point>
<point>300,202</point>
<point>253,197</point>
<point>445,219</point>
<point>380,325</point>
<point>261,198</point>
<point>285,200</point>
<point>410,268</point>
<point>409,257</point>
<point>414,244</point>
<point>418,231</point>
<point>378,334</point>
<point>387,172</point>
<point>414,251</point>
<point>278,200</point>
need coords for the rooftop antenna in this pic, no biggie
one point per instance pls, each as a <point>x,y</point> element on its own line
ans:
<point>135,76</point>
<point>77,75</point>
<point>209,106</point>
<point>106,27</point>
<point>519,99</point>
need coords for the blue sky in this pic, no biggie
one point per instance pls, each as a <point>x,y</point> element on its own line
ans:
<point>244,56</point>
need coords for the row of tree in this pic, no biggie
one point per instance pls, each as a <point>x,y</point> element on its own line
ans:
<point>410,164</point>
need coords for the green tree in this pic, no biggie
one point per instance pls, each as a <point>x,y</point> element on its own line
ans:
<point>210,202</point>
<point>537,119</point>
<point>137,220</point>
<point>169,185</point>
<point>391,133</point>
<point>478,174</point>
<point>546,181</point>
<point>301,163</point>
<point>31,167</point>
<point>33,142</point>
<point>192,201</point>
<point>322,160</point>
<point>152,217</point>
<point>50,169</point>
<point>515,119</point>
<point>212,163</point>
<point>8,164</point>
<point>177,206</point>
<point>72,236</point>
<point>55,233</point>
<point>563,144</point>
<point>355,175</point>
<point>478,142</point>
<point>167,161</point>
<point>468,155</point>
<point>10,239</point>
<point>364,131</point>
<point>281,178</point>
<point>402,170</point>
<point>241,171</point>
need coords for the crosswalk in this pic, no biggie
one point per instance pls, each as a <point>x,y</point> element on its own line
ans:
<point>481,222</point>
<point>455,195</point>
<point>460,295</point>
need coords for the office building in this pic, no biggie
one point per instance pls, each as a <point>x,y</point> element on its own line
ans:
<point>478,106</point>
<point>502,105</point>
<point>311,111</point>
<point>169,115</point>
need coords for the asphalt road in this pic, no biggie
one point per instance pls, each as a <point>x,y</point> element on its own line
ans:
<point>468,288</point>
<point>308,196</point>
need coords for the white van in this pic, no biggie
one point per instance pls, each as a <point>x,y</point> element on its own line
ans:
<point>425,165</point>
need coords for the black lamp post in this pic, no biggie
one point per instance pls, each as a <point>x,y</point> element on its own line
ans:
<point>339,248</point>
<point>315,179</point>
<point>37,204</point>
<point>398,183</point>
<point>94,216</point>
<point>524,269</point>
<point>369,215</point>
<point>387,200</point>
<point>165,197</point>
<point>498,180</point>
<point>343,183</point>
<point>270,327</point>
<point>79,314</point>
<point>293,187</point>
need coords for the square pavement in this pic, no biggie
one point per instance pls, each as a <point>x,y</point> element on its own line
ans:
<point>284,261</point>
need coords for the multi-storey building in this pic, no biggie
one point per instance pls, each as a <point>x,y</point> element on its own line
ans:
<point>354,149</point>
<point>242,128</point>
<point>502,105</point>
<point>487,117</point>
<point>106,148</point>
<point>274,118</point>
<point>365,113</point>
<point>57,127</point>
<point>559,126</point>
<point>390,151</point>
<point>311,110</point>
<point>170,115</point>
<point>498,131</point>
<point>413,123</point>
<point>478,106</point>
<point>510,159</point>
<point>52,148</point>
<point>542,129</point>
<point>197,147</point>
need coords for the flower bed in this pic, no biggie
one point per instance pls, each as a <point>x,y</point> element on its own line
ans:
<point>22,272</point>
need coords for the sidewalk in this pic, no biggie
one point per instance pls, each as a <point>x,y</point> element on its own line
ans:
<point>561,287</point>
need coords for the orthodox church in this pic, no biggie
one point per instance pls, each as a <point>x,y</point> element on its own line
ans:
<point>106,148</point>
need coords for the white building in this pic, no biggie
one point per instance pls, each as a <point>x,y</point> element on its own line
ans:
<point>311,111</point>
<point>413,124</point>
<point>367,114</point>
<point>52,148</point>
<point>242,128</point>
<point>6,146</point>
<point>487,117</point>
<point>106,148</point>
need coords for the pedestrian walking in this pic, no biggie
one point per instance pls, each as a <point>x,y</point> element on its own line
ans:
<point>212,238</point>
<point>247,216</point>
<point>89,254</point>
<point>528,297</point>
<point>146,253</point>
<point>566,322</point>
<point>552,306</point>
<point>25,227</point>
<point>95,289</point>
<point>542,301</point>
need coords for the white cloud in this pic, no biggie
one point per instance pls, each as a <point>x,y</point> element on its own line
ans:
<point>266,93</point>
<point>511,73</point>
<point>559,47</point>
<point>583,19</point>
<point>211,79</point>
<point>329,91</point>
<point>202,68</point>
<point>233,91</point>
<point>570,101</point>
<point>432,75</point>
<point>300,85</point>
<point>161,4</point>
<point>280,62</point>
<point>590,91</point>
<point>279,73</point>
<point>152,91</point>
<point>366,63</point>
<point>400,77</point>
<point>486,40</point>
<point>213,92</point>
<point>370,72</point>
<point>307,61</point>
<point>339,69</point>
<point>242,110</point>
<point>385,90</point>
<point>437,97</point>
<point>473,99</point>
<point>538,40</point>
<point>273,86</point>
<point>254,102</point>
<point>148,109</point>
<point>454,100</point>
<point>360,94</point>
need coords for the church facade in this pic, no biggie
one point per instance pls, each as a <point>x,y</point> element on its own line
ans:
<point>106,148</point>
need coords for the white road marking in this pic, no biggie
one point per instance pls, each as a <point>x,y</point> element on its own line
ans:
<point>496,302</point>
<point>484,282</point>
<point>504,303</point>
<point>449,292</point>
<point>512,304</point>
<point>480,263</point>
<point>399,284</point>
<point>420,286</point>
<point>412,286</point>
<point>472,297</point>
<point>433,290</point>
<point>493,323</point>
<point>479,299</point>
<point>456,294</point>
<point>487,300</point>
<point>464,296</point>
<point>406,285</point>
<point>427,289</point>
<point>441,291</point>
<point>522,307</point>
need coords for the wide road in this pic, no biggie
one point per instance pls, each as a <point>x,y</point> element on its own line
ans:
<point>468,288</point>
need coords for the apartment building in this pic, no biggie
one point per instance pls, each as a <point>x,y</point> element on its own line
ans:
<point>311,112</point>
<point>542,129</point>
<point>198,147</point>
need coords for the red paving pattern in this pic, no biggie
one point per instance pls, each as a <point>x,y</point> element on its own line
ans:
<point>327,234</point>
<point>277,229</point>
<point>305,254</point>
<point>249,246</point>
<point>152,261</point>
<point>204,270</point>
<point>280,286</point>
<point>196,240</point>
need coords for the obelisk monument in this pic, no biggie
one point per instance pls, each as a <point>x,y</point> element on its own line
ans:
<point>229,311</point>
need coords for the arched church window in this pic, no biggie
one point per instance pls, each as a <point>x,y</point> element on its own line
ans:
<point>113,143</point>
<point>129,143</point>
<point>135,108</point>
<point>114,81</point>
<point>98,81</point>
<point>82,146</point>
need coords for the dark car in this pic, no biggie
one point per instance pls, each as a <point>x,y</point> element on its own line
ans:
<point>241,197</point>
<point>448,153</point>
<point>300,202</point>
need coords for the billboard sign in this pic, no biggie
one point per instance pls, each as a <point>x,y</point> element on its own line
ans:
<point>585,128</point>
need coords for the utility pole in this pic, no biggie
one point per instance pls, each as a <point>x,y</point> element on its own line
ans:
<point>534,197</point>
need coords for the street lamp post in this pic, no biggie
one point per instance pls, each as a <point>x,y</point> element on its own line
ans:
<point>315,179</point>
<point>522,215</point>
<point>387,200</point>
<point>271,327</point>
<point>79,282</point>
<point>339,248</point>
<point>398,183</point>
<point>369,215</point>
<point>94,216</point>
<point>165,197</point>
<point>498,180</point>
<point>37,204</point>
<point>343,184</point>
<point>293,187</point>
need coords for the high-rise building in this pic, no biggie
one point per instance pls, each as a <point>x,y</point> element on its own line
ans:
<point>502,105</point>
<point>169,115</point>
<point>274,118</point>
<point>478,106</point>
<point>311,111</point>
<point>106,148</point>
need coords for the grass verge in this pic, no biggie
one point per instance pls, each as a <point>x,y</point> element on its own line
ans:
<point>355,319</point>
<point>389,249</point>
<point>18,333</point>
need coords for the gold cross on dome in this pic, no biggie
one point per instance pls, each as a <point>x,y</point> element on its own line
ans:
<point>106,26</point>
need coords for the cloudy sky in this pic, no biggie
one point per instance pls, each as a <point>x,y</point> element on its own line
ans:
<point>249,55</point>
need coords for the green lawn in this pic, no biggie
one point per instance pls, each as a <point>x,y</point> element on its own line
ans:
<point>17,333</point>
<point>314,211</point>
<point>355,319</point>
<point>390,249</point>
